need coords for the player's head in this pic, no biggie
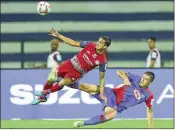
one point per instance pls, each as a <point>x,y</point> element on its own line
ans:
<point>147,79</point>
<point>103,43</point>
<point>54,44</point>
<point>151,42</point>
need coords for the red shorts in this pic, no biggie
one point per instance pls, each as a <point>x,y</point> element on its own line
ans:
<point>66,70</point>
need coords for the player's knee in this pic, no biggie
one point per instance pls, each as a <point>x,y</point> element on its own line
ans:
<point>111,115</point>
<point>114,114</point>
<point>65,81</point>
<point>86,87</point>
<point>49,82</point>
<point>83,87</point>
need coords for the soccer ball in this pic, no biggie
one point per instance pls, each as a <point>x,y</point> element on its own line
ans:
<point>43,8</point>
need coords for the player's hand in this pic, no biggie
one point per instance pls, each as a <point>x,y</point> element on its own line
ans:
<point>53,33</point>
<point>121,74</point>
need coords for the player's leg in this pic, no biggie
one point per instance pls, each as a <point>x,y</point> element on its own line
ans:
<point>55,87</point>
<point>108,114</point>
<point>70,78</point>
<point>89,88</point>
<point>52,78</point>
<point>58,72</point>
<point>69,74</point>
<point>52,82</point>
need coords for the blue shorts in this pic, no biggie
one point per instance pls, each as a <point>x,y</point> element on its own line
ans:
<point>111,98</point>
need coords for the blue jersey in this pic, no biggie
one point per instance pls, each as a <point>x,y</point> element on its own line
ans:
<point>128,96</point>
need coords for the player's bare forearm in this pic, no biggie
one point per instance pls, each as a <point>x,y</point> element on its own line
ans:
<point>121,73</point>
<point>67,40</point>
<point>150,117</point>
<point>124,76</point>
<point>102,83</point>
<point>126,82</point>
<point>152,64</point>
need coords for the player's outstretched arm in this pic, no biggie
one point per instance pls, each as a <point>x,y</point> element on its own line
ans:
<point>124,76</point>
<point>121,73</point>
<point>67,40</point>
<point>150,116</point>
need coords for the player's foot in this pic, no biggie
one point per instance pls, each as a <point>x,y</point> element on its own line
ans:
<point>41,93</point>
<point>39,100</point>
<point>78,124</point>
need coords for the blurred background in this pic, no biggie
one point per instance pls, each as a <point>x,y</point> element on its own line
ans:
<point>25,42</point>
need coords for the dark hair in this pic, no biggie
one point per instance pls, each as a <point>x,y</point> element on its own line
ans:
<point>152,38</point>
<point>151,75</point>
<point>107,40</point>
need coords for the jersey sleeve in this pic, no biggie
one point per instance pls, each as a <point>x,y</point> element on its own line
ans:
<point>133,77</point>
<point>149,101</point>
<point>83,44</point>
<point>102,67</point>
<point>154,55</point>
<point>57,57</point>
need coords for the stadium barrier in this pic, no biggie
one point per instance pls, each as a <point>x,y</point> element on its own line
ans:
<point>18,86</point>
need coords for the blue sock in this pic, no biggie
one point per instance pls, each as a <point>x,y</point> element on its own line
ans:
<point>96,120</point>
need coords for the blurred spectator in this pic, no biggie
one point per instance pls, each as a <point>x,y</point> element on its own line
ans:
<point>154,58</point>
<point>54,58</point>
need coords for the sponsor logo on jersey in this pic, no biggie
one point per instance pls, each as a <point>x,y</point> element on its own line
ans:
<point>137,94</point>
<point>88,52</point>
<point>94,56</point>
<point>97,62</point>
<point>86,58</point>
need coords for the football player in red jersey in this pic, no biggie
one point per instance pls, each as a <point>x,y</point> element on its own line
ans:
<point>72,70</point>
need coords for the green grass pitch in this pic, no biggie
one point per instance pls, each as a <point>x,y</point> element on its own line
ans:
<point>69,123</point>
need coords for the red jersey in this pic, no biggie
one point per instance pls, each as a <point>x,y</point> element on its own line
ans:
<point>88,58</point>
